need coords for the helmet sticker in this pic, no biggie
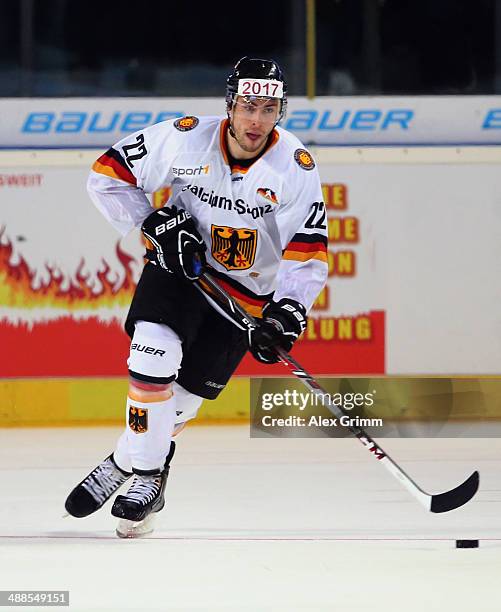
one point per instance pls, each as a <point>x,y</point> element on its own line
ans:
<point>304,159</point>
<point>259,78</point>
<point>185,124</point>
<point>266,88</point>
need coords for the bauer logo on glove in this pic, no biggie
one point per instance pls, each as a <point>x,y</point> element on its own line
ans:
<point>174,243</point>
<point>283,322</point>
<point>171,222</point>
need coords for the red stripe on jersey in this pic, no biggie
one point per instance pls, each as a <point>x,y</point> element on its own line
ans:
<point>306,247</point>
<point>105,163</point>
<point>239,294</point>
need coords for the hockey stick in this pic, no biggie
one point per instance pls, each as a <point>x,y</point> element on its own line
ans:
<point>442,502</point>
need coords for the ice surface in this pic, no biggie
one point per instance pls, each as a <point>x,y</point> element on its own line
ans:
<point>256,525</point>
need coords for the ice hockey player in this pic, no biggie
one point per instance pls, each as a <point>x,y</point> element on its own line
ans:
<point>246,206</point>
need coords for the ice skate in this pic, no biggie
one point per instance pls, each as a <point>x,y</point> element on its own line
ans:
<point>145,497</point>
<point>135,529</point>
<point>96,488</point>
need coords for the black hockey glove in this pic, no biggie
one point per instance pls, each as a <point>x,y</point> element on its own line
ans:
<point>283,322</point>
<point>174,242</point>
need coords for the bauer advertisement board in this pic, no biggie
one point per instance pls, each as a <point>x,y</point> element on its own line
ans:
<point>414,251</point>
<point>326,120</point>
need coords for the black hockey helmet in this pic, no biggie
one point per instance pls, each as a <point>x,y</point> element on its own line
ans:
<point>258,70</point>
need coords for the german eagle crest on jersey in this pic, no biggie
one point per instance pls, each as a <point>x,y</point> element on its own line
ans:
<point>138,419</point>
<point>234,248</point>
<point>185,124</point>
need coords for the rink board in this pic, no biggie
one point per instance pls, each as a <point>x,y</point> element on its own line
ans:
<point>98,401</point>
<point>93,401</point>
<point>414,251</point>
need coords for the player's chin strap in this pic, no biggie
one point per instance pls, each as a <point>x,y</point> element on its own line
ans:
<point>230,128</point>
<point>442,502</point>
<point>230,123</point>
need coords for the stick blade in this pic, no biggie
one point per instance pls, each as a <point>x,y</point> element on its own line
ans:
<point>455,498</point>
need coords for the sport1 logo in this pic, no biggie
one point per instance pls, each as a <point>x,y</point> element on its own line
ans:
<point>267,88</point>
<point>138,146</point>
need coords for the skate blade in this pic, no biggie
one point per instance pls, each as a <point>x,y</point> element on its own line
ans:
<point>131,529</point>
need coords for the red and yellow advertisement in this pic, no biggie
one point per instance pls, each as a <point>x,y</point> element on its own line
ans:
<point>66,280</point>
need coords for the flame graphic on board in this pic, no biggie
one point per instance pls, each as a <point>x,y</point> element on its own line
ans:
<point>19,289</point>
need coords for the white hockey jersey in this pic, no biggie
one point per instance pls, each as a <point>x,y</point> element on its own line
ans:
<point>265,226</point>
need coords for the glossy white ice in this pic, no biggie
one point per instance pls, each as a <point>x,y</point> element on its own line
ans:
<point>256,525</point>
